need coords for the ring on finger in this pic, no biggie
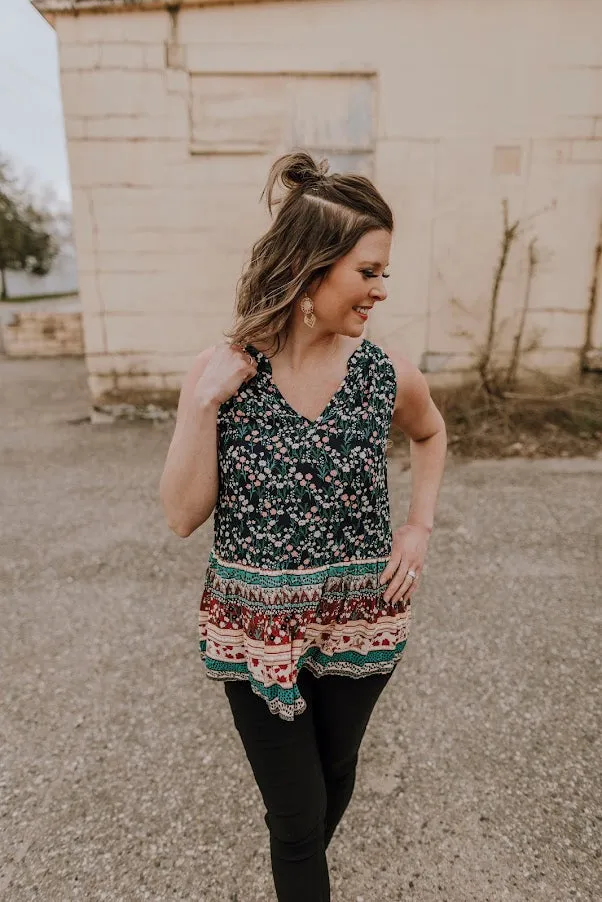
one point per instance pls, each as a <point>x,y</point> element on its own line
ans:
<point>411,587</point>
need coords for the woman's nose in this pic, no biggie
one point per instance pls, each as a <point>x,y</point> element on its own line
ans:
<point>378,292</point>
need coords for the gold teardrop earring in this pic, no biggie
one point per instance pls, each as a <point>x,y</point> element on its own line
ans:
<point>307,306</point>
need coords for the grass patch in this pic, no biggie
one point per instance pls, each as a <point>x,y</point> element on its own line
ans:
<point>39,297</point>
<point>543,420</point>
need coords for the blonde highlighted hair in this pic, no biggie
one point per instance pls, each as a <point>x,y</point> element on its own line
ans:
<point>320,219</point>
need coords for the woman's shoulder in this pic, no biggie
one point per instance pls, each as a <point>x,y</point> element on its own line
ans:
<point>386,350</point>
<point>410,380</point>
<point>386,353</point>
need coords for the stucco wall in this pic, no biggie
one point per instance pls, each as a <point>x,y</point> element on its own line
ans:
<point>471,103</point>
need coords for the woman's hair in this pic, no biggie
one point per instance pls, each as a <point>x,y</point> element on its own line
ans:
<point>320,219</point>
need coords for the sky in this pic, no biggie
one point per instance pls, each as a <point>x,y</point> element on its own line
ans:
<point>31,119</point>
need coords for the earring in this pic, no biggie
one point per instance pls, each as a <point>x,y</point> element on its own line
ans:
<point>307,307</point>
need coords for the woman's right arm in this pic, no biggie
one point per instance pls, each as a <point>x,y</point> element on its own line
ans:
<point>189,483</point>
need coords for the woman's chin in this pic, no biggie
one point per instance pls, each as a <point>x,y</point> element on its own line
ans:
<point>354,326</point>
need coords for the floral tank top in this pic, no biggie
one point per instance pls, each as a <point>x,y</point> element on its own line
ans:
<point>302,533</point>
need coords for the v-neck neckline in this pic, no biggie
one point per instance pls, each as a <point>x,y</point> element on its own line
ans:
<point>334,397</point>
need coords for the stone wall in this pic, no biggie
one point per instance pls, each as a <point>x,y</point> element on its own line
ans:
<point>43,334</point>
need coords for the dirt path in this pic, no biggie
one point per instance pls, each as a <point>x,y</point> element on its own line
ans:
<point>122,775</point>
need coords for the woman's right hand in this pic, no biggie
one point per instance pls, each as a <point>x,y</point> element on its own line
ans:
<point>228,367</point>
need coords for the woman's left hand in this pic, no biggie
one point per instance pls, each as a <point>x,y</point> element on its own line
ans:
<point>410,544</point>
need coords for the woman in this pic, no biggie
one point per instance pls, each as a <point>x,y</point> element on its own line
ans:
<point>306,602</point>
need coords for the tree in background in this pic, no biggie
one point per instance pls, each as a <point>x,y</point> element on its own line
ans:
<point>31,233</point>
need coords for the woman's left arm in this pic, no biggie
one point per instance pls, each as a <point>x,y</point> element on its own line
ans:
<point>416,415</point>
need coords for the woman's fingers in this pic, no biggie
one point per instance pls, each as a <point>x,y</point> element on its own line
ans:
<point>404,567</point>
<point>396,581</point>
<point>402,583</point>
<point>406,594</point>
<point>248,359</point>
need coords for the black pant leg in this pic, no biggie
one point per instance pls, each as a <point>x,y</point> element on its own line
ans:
<point>342,707</point>
<point>286,765</point>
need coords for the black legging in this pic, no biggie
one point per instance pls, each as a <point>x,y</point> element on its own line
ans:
<point>305,771</point>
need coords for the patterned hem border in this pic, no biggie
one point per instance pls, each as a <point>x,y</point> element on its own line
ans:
<point>332,567</point>
<point>289,703</point>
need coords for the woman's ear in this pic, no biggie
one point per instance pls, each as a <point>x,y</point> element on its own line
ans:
<point>316,282</point>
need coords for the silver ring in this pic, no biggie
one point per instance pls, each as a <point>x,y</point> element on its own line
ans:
<point>411,574</point>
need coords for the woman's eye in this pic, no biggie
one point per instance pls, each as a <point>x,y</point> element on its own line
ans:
<point>368,274</point>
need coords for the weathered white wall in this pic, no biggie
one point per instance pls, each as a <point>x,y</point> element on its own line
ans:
<point>475,102</point>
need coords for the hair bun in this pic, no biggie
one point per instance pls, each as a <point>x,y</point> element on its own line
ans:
<point>300,169</point>
<point>294,170</point>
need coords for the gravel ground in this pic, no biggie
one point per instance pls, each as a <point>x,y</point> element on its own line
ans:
<point>122,775</point>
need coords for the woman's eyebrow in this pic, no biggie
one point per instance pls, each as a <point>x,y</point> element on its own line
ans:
<point>373,264</point>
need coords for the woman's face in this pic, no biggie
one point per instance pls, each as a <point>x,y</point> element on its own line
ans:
<point>356,280</point>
